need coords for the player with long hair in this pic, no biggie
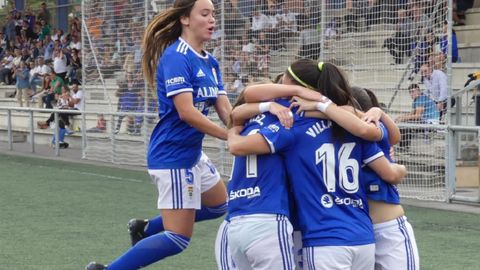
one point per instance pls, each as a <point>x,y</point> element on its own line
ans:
<point>189,83</point>
<point>323,160</point>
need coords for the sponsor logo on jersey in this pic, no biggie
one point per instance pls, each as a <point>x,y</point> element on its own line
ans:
<point>327,201</point>
<point>248,193</point>
<point>175,81</point>
<point>206,92</point>
<point>318,128</point>
<point>374,188</point>
<point>200,73</point>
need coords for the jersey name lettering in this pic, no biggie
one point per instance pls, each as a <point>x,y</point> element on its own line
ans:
<point>318,128</point>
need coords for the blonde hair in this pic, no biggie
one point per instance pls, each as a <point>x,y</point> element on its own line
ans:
<point>162,31</point>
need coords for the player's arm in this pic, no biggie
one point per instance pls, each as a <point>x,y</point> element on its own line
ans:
<point>376,114</point>
<point>239,145</point>
<point>188,113</point>
<point>223,108</point>
<point>390,172</point>
<point>343,117</point>
<point>243,112</point>
<point>265,92</point>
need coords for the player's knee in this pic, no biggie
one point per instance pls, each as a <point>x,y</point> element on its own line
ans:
<point>180,241</point>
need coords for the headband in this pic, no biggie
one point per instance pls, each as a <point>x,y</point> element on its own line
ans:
<point>296,78</point>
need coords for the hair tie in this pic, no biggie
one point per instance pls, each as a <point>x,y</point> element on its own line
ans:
<point>320,66</point>
<point>290,71</point>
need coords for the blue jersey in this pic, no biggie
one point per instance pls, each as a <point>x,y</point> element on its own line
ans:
<point>258,184</point>
<point>174,143</point>
<point>331,201</point>
<point>377,189</point>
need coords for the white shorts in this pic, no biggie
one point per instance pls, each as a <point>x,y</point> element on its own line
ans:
<point>339,257</point>
<point>261,242</point>
<point>182,188</point>
<point>396,246</point>
<point>298,249</point>
<point>223,256</point>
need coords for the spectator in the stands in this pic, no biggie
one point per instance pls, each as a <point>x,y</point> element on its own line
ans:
<point>424,111</point>
<point>49,46</point>
<point>9,28</point>
<point>286,24</point>
<point>44,13</point>
<point>60,63</point>
<point>6,66</point>
<point>399,45</point>
<point>459,8</point>
<point>444,43</point>
<point>310,37</point>
<point>260,21</point>
<point>56,84</point>
<point>75,43</point>
<point>127,102</point>
<point>262,57</point>
<point>75,65</point>
<point>38,73</point>
<point>45,30</point>
<point>436,87</point>
<point>21,74</point>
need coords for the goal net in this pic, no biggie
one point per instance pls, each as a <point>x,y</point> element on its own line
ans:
<point>381,45</point>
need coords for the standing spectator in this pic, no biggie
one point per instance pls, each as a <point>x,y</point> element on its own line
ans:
<point>310,37</point>
<point>44,13</point>
<point>262,56</point>
<point>260,22</point>
<point>45,30</point>
<point>127,102</point>
<point>10,32</point>
<point>21,75</point>
<point>49,47</point>
<point>75,65</point>
<point>60,63</point>
<point>75,43</point>
<point>30,18</point>
<point>435,81</point>
<point>424,112</point>
<point>444,43</point>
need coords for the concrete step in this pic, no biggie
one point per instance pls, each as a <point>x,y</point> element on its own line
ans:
<point>469,52</point>
<point>468,33</point>
<point>472,16</point>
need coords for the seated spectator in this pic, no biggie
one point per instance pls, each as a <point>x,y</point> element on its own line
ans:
<point>45,30</point>
<point>423,51</point>
<point>260,22</point>
<point>56,84</point>
<point>127,102</point>
<point>21,74</point>
<point>424,112</point>
<point>75,43</point>
<point>444,43</point>
<point>45,88</point>
<point>399,45</point>
<point>38,73</point>
<point>459,8</point>
<point>436,84</point>
<point>262,56</point>
<point>101,126</point>
<point>6,66</point>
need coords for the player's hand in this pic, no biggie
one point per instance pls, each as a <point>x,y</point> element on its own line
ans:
<point>373,116</point>
<point>284,115</point>
<point>235,130</point>
<point>303,104</point>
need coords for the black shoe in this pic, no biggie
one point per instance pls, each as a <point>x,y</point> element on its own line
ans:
<point>63,145</point>
<point>95,266</point>
<point>136,229</point>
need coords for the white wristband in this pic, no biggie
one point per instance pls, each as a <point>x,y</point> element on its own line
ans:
<point>322,106</point>
<point>264,106</point>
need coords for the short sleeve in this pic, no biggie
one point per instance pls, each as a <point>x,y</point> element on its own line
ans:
<point>176,71</point>
<point>370,152</point>
<point>277,137</point>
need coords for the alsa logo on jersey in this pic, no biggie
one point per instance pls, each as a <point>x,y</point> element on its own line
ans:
<point>318,128</point>
<point>206,92</point>
<point>328,201</point>
<point>248,193</point>
<point>175,81</point>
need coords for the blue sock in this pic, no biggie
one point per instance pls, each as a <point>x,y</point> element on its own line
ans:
<point>150,250</point>
<point>155,225</point>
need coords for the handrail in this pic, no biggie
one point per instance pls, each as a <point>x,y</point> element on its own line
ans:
<point>467,88</point>
<point>75,111</point>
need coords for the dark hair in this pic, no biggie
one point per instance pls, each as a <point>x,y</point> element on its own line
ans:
<point>413,86</point>
<point>373,98</point>
<point>362,97</point>
<point>239,101</point>
<point>327,79</point>
<point>162,31</point>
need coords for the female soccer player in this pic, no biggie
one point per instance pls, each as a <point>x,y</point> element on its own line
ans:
<point>323,161</point>
<point>396,247</point>
<point>188,84</point>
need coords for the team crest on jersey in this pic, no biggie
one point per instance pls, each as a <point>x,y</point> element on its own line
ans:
<point>200,73</point>
<point>327,201</point>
